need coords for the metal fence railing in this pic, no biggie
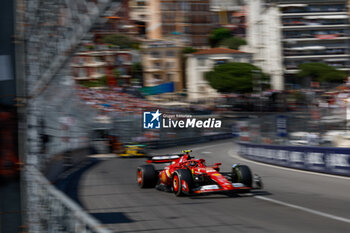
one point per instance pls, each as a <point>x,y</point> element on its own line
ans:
<point>54,120</point>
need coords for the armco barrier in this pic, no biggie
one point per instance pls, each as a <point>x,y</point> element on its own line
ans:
<point>187,141</point>
<point>320,159</point>
<point>59,163</point>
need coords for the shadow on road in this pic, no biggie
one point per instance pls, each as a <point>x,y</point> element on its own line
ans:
<point>111,217</point>
<point>69,184</point>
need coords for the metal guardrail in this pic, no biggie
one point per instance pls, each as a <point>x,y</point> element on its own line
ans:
<point>187,141</point>
<point>53,211</point>
<point>328,160</point>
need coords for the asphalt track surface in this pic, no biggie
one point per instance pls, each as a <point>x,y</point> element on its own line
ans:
<point>291,201</point>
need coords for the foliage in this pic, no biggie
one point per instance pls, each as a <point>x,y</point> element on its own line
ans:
<point>236,77</point>
<point>218,35</point>
<point>137,67</point>
<point>116,73</point>
<point>101,82</point>
<point>89,47</point>
<point>124,42</point>
<point>137,71</point>
<point>321,72</point>
<point>187,50</point>
<point>233,42</point>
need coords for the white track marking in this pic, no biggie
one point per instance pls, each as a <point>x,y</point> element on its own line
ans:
<point>102,156</point>
<point>235,156</point>
<point>206,152</point>
<point>209,146</point>
<point>334,217</point>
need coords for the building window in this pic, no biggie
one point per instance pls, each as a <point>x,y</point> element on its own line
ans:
<point>82,72</point>
<point>168,78</point>
<point>156,79</point>
<point>201,62</point>
<point>141,4</point>
<point>170,53</point>
<point>156,65</point>
<point>218,62</point>
<point>155,54</point>
<point>170,64</point>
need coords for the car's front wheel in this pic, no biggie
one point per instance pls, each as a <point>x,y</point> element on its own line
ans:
<point>242,174</point>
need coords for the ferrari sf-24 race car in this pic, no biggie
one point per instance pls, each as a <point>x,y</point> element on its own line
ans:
<point>185,175</point>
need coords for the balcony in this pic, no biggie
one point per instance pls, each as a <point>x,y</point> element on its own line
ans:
<point>318,56</point>
<point>95,64</point>
<point>154,69</point>
<point>151,58</point>
<point>315,38</point>
<point>321,26</point>
<point>96,75</point>
<point>313,13</point>
<point>317,21</point>
<point>315,51</point>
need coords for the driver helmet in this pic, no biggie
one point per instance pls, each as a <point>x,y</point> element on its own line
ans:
<point>193,163</point>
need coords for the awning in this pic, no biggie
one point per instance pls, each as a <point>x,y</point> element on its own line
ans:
<point>112,17</point>
<point>160,89</point>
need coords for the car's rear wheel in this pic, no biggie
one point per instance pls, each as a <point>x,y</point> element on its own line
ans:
<point>242,174</point>
<point>182,182</point>
<point>147,176</point>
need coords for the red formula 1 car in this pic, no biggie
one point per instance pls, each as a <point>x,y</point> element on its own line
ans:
<point>185,175</point>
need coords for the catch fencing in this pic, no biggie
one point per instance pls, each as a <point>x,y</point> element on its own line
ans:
<point>52,118</point>
<point>52,211</point>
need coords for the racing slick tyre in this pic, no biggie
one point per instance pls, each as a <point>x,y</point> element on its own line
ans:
<point>147,176</point>
<point>242,174</point>
<point>182,182</point>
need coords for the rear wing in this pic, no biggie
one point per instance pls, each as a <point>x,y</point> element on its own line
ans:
<point>163,158</point>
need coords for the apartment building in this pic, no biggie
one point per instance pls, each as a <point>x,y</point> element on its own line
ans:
<point>284,34</point>
<point>230,14</point>
<point>190,21</point>
<point>139,10</point>
<point>161,62</point>
<point>102,61</point>
<point>115,20</point>
<point>139,14</point>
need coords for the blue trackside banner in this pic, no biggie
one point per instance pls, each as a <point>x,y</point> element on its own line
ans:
<point>320,159</point>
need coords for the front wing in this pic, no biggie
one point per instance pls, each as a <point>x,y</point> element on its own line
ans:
<point>216,188</point>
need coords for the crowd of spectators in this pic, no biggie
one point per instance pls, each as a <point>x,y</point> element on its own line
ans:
<point>114,100</point>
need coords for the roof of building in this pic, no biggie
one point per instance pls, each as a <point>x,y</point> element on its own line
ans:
<point>217,51</point>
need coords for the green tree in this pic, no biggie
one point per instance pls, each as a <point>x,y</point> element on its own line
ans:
<point>320,72</point>
<point>218,35</point>
<point>101,82</point>
<point>124,42</point>
<point>236,77</point>
<point>233,42</point>
<point>116,73</point>
<point>187,50</point>
<point>137,71</point>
